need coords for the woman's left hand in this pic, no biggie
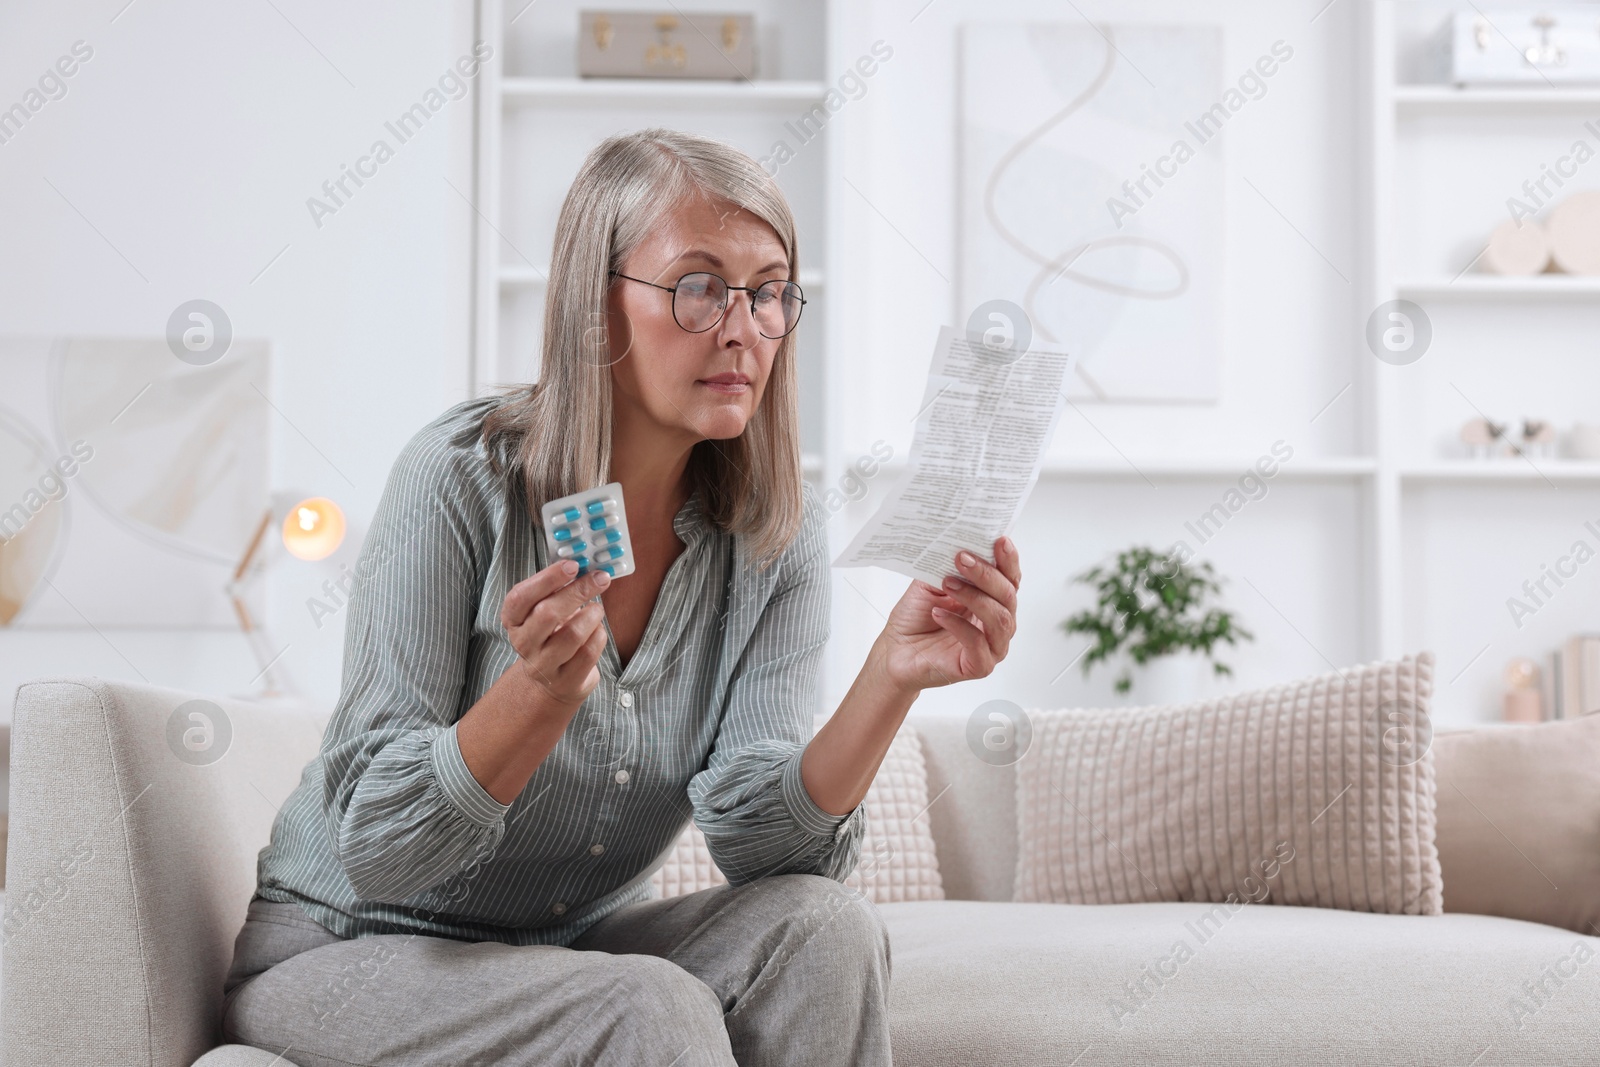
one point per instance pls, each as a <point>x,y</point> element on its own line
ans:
<point>936,636</point>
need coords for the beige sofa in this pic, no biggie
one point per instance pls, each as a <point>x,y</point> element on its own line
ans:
<point>130,871</point>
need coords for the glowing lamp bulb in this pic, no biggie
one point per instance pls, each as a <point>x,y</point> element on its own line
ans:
<point>313,529</point>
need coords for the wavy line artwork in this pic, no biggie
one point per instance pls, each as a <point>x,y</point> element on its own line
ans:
<point>1039,198</point>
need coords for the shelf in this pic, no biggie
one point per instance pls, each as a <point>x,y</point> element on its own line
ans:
<point>637,92</point>
<point>1447,98</point>
<point>1538,472</point>
<point>1137,469</point>
<point>514,276</point>
<point>1207,470</point>
<point>1499,285</point>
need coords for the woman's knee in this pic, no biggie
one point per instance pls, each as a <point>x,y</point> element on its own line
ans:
<point>654,991</point>
<point>838,918</point>
<point>655,1011</point>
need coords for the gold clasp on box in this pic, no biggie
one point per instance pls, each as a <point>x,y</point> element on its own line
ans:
<point>666,52</point>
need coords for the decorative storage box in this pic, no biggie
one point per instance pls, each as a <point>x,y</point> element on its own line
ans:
<point>638,44</point>
<point>1552,44</point>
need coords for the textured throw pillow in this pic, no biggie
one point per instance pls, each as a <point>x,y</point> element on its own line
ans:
<point>897,860</point>
<point>1519,821</point>
<point>689,867</point>
<point>1318,792</point>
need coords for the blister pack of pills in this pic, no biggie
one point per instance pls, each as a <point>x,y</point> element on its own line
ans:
<point>592,528</point>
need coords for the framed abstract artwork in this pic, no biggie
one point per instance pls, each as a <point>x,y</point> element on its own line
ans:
<point>1091,186</point>
<point>131,482</point>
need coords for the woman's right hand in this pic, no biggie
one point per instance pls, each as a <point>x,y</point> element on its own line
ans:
<point>556,628</point>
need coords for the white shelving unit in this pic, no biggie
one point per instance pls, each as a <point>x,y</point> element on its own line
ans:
<point>536,121</point>
<point>1439,163</point>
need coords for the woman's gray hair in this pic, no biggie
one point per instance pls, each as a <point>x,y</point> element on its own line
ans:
<point>556,433</point>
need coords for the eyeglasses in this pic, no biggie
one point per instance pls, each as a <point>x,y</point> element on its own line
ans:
<point>699,301</point>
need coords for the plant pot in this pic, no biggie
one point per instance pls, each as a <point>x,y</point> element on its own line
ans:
<point>1173,679</point>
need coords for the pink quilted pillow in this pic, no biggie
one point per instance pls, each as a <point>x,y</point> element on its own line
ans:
<point>1318,793</point>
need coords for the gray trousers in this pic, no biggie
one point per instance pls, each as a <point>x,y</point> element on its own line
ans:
<point>787,970</point>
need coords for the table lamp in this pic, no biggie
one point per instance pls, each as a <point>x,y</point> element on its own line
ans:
<point>310,529</point>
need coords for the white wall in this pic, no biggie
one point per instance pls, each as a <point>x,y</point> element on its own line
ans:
<point>194,136</point>
<point>1293,560</point>
<point>188,145</point>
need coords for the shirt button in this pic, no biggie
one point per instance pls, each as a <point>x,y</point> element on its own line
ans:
<point>621,776</point>
<point>558,907</point>
<point>626,699</point>
<point>595,850</point>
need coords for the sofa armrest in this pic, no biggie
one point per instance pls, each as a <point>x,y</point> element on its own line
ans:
<point>130,866</point>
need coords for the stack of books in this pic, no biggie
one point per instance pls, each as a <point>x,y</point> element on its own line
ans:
<point>1572,682</point>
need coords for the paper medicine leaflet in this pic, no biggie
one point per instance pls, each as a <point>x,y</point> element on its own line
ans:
<point>985,420</point>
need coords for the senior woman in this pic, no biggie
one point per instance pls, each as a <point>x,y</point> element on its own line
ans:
<point>462,875</point>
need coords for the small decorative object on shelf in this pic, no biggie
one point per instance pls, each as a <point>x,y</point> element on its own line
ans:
<point>1517,247</point>
<point>1151,605</point>
<point>1523,702</point>
<point>668,44</point>
<point>1584,441</point>
<point>1572,686</point>
<point>1538,440</point>
<point>1483,438</point>
<point>1523,46</point>
<point>1566,242</point>
<point>1487,439</point>
<point>1574,229</point>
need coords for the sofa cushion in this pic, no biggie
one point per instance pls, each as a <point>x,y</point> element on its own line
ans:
<point>1519,821</point>
<point>984,984</point>
<point>1317,792</point>
<point>972,810</point>
<point>897,860</point>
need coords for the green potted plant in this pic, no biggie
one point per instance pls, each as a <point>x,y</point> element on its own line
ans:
<point>1150,605</point>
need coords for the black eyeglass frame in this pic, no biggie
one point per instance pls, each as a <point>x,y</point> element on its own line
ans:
<point>673,289</point>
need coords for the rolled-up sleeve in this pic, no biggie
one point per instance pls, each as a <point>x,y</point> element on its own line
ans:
<point>402,808</point>
<point>749,801</point>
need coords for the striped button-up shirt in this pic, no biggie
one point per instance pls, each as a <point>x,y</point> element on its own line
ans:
<point>389,832</point>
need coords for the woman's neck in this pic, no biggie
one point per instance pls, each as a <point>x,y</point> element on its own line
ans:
<point>654,479</point>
